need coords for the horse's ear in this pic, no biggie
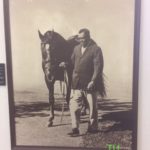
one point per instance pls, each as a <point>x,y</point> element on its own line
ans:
<point>52,31</point>
<point>40,35</point>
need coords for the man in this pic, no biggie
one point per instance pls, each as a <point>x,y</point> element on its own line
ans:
<point>87,81</point>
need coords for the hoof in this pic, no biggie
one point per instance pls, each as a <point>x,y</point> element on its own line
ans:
<point>50,124</point>
<point>51,119</point>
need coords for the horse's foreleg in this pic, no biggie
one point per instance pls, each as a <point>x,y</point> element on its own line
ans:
<point>51,104</point>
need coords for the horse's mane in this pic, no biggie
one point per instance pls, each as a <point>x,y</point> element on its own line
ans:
<point>56,36</point>
<point>71,40</point>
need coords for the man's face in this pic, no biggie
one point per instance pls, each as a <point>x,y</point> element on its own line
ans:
<point>83,39</point>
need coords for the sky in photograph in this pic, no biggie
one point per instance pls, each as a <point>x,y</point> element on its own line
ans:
<point>111,23</point>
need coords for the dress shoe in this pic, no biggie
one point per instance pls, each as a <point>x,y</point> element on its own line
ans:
<point>75,132</point>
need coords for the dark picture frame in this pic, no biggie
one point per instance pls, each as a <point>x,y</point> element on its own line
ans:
<point>11,84</point>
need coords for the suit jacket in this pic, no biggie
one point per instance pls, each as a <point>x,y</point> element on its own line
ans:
<point>87,67</point>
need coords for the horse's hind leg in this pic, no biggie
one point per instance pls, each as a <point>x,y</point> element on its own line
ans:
<point>84,106</point>
<point>68,87</point>
<point>68,94</point>
<point>51,104</point>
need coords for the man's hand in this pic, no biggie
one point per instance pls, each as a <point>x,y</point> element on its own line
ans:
<point>90,85</point>
<point>63,65</point>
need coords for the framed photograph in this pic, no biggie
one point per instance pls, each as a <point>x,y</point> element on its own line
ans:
<point>72,72</point>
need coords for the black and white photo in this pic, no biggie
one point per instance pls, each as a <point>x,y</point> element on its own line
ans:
<point>73,73</point>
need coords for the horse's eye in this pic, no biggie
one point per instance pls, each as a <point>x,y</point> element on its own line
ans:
<point>47,46</point>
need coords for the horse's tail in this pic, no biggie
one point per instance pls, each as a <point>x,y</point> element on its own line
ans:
<point>102,85</point>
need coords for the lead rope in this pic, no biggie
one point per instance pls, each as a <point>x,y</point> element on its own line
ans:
<point>63,89</point>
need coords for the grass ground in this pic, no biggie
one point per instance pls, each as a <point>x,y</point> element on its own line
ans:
<point>32,114</point>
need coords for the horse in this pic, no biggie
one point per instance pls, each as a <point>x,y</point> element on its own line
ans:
<point>55,50</point>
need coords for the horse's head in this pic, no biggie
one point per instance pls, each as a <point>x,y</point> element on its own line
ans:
<point>53,47</point>
<point>52,40</point>
<point>47,39</point>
